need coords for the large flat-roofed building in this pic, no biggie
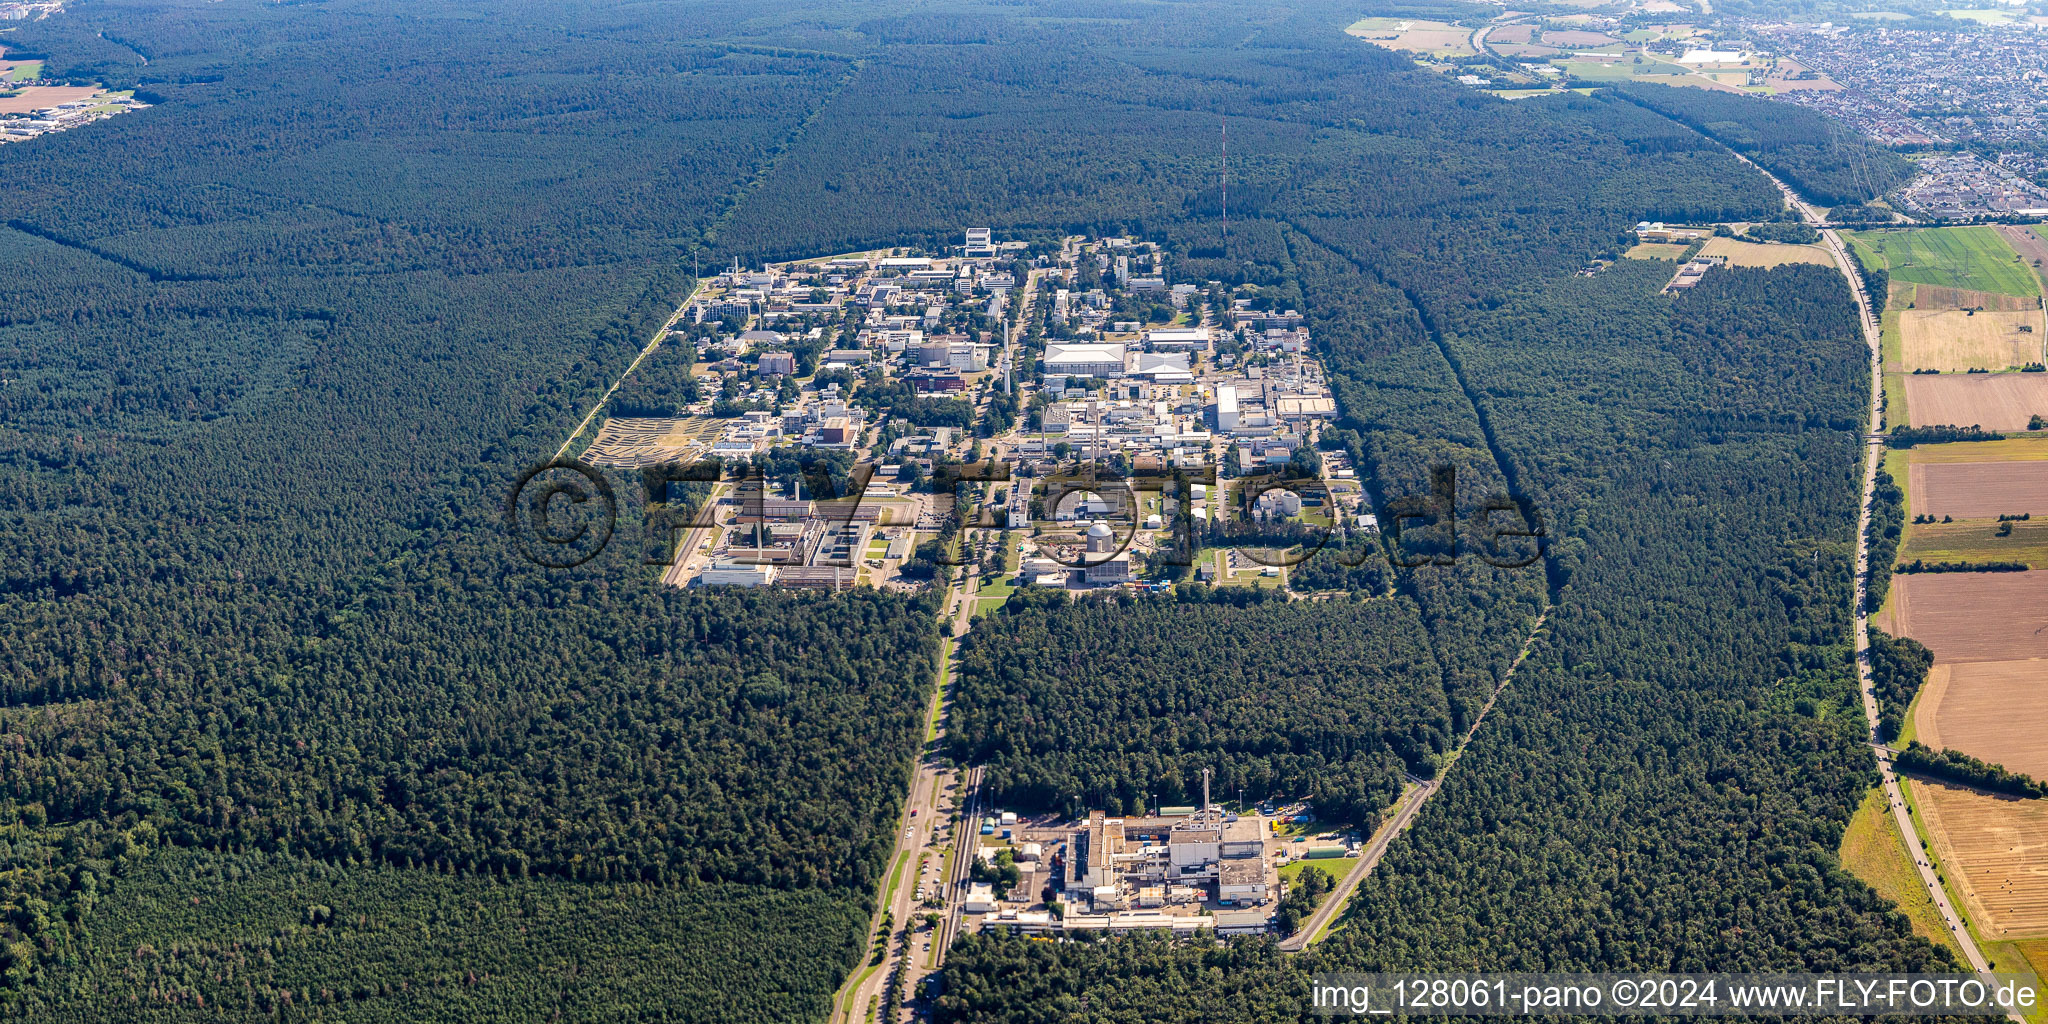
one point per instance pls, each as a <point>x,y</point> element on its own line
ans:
<point>1241,922</point>
<point>1226,408</point>
<point>1084,359</point>
<point>737,574</point>
<point>1177,339</point>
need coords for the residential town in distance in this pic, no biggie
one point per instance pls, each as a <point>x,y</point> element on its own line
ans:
<point>1963,92</point>
<point>1103,416</point>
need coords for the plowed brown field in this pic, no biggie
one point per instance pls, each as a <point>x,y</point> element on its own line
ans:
<point>1996,710</point>
<point>1995,850</point>
<point>1973,616</point>
<point>1994,401</point>
<point>1979,490</point>
<point>1934,296</point>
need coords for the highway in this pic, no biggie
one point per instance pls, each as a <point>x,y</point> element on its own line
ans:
<point>1873,452</point>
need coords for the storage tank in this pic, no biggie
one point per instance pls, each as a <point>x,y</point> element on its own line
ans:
<point>1321,852</point>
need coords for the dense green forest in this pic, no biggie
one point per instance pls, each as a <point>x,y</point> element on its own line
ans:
<point>1120,705</point>
<point>275,348</point>
<point>1898,668</point>
<point>1829,163</point>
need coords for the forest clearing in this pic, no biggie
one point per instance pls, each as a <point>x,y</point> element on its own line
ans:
<point>1766,255</point>
<point>1978,490</point>
<point>1990,710</point>
<point>1955,341</point>
<point>1415,35</point>
<point>1994,401</point>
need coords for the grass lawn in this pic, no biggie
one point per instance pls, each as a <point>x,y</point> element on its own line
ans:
<point>1655,251</point>
<point>1873,851</point>
<point>1895,412</point>
<point>1975,257</point>
<point>1338,867</point>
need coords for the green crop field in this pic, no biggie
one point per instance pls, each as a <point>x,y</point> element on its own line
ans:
<point>1968,257</point>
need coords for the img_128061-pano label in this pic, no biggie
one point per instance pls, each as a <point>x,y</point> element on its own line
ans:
<point>1697,995</point>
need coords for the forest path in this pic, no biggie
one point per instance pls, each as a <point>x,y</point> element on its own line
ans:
<point>1405,812</point>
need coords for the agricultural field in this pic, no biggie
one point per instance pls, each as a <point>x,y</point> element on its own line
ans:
<point>1760,254</point>
<point>20,71</point>
<point>1414,35</point>
<point>1907,295</point>
<point>2025,448</point>
<point>1988,709</point>
<point>1955,341</point>
<point>1573,39</point>
<point>1873,851</point>
<point>1971,616</point>
<point>1989,847</point>
<point>1994,401</point>
<point>1976,258</point>
<point>36,97</point>
<point>2032,248</point>
<point>1978,490</point>
<point>1977,541</point>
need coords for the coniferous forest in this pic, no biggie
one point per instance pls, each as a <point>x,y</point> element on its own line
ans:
<point>289,729</point>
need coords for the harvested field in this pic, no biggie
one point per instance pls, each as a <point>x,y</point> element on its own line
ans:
<point>1511,34</point>
<point>1994,401</point>
<point>1973,616</point>
<point>2024,448</point>
<point>1989,709</point>
<point>1578,40</point>
<point>1994,850</point>
<point>1934,296</point>
<point>1978,490</point>
<point>1953,341</point>
<point>1415,35</point>
<point>36,97</point>
<point>1765,254</point>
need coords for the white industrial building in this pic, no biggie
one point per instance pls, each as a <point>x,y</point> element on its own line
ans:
<point>1226,408</point>
<point>1084,359</point>
<point>1177,339</point>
